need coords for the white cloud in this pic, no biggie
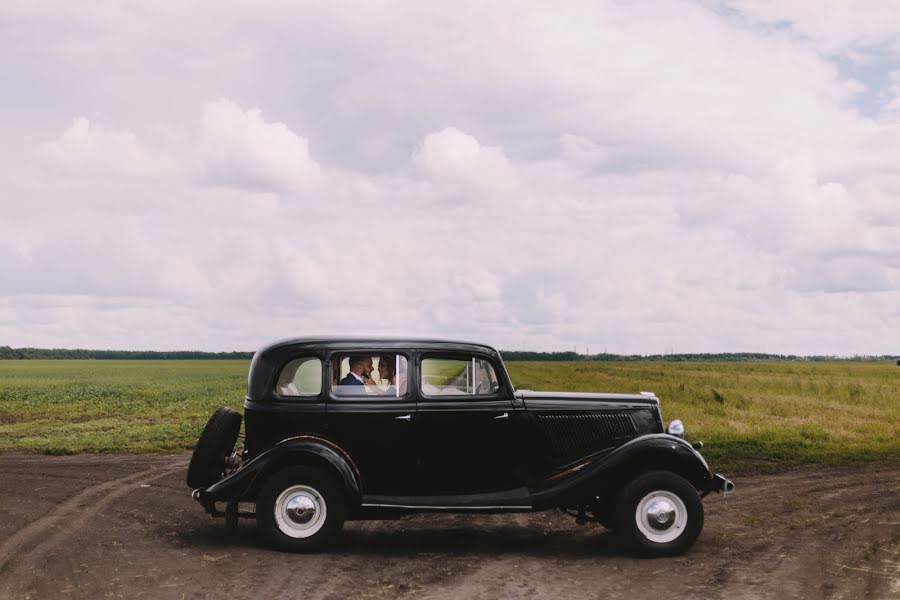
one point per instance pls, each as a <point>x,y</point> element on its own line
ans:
<point>240,149</point>
<point>88,148</point>
<point>639,176</point>
<point>451,155</point>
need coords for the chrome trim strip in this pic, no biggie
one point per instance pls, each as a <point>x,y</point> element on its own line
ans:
<point>366,505</point>
<point>564,404</point>
<point>574,469</point>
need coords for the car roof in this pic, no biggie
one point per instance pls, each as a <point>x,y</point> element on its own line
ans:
<point>336,342</point>
<point>272,356</point>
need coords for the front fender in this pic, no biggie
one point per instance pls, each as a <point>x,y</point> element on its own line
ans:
<point>606,471</point>
<point>244,483</point>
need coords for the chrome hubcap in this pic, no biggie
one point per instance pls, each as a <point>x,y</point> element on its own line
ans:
<point>300,511</point>
<point>661,516</point>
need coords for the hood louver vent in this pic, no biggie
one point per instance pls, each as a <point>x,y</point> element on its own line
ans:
<point>579,432</point>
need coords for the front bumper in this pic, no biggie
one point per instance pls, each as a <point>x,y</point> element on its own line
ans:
<point>719,484</point>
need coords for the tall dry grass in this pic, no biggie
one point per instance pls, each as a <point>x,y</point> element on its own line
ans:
<point>755,415</point>
<point>751,416</point>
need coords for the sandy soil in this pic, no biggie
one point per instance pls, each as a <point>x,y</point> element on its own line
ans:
<point>126,527</point>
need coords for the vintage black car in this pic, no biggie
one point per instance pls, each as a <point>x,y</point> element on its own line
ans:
<point>339,429</point>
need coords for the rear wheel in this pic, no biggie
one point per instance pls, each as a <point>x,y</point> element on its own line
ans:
<point>300,509</point>
<point>659,514</point>
<point>213,448</point>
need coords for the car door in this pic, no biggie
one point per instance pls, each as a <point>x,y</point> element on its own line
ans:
<point>293,405</point>
<point>468,428</point>
<point>376,426</point>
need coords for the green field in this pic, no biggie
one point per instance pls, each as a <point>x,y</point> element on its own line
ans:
<point>752,416</point>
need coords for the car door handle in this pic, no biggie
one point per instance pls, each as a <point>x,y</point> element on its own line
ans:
<point>503,416</point>
<point>404,417</point>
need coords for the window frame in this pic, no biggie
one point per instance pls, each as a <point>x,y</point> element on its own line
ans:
<point>344,353</point>
<point>462,357</point>
<point>299,397</point>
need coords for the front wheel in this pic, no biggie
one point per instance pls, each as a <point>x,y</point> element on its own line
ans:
<point>659,514</point>
<point>300,509</point>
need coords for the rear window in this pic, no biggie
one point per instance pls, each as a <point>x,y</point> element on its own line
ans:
<point>300,377</point>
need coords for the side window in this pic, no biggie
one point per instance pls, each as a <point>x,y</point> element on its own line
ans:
<point>369,374</point>
<point>458,377</point>
<point>300,377</point>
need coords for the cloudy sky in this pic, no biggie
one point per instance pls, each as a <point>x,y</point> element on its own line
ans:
<point>634,176</point>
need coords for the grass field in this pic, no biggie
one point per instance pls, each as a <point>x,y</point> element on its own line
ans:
<point>752,416</point>
<point>755,416</point>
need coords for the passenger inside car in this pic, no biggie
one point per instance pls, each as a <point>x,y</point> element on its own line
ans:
<point>357,375</point>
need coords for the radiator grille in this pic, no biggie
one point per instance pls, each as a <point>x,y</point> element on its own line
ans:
<point>577,432</point>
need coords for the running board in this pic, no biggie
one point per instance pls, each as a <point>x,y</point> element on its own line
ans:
<point>516,500</point>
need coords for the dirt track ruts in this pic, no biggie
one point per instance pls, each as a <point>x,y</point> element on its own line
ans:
<point>125,527</point>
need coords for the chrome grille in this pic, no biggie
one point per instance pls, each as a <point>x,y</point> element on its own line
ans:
<point>578,432</point>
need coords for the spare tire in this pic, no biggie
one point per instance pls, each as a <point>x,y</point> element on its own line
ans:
<point>213,448</point>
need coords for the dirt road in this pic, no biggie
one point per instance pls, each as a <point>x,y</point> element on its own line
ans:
<point>126,527</point>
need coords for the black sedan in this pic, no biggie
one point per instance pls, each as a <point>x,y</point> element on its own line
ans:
<point>338,429</point>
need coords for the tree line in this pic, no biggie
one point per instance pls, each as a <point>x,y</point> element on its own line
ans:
<point>686,357</point>
<point>7,353</point>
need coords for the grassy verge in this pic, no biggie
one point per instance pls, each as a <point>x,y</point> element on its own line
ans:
<point>63,407</point>
<point>755,416</point>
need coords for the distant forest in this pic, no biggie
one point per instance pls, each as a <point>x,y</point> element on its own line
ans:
<point>60,353</point>
<point>687,357</point>
<point>7,353</point>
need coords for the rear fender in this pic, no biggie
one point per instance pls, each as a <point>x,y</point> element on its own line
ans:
<point>605,474</point>
<point>245,483</point>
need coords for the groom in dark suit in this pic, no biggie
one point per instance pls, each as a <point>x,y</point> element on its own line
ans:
<point>357,374</point>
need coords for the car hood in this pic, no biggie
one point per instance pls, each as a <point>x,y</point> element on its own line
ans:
<point>578,398</point>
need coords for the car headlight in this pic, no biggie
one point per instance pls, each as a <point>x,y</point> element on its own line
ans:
<point>676,428</point>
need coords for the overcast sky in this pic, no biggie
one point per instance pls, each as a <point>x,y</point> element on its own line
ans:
<point>629,176</point>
